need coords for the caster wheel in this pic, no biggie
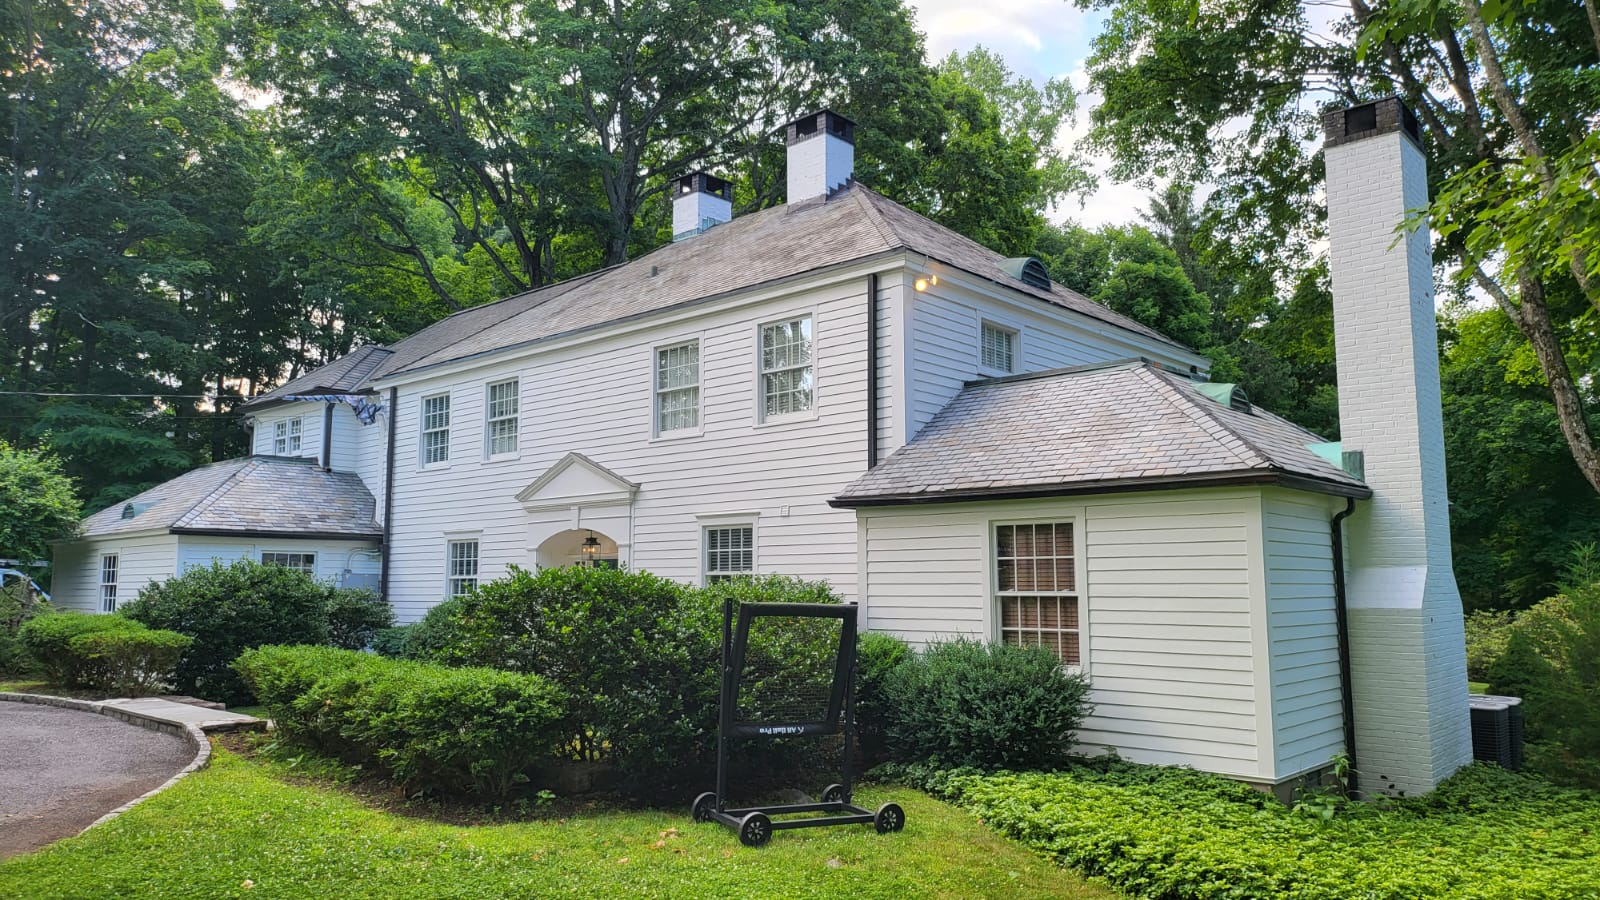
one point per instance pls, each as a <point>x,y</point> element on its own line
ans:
<point>755,830</point>
<point>703,807</point>
<point>889,817</point>
<point>833,793</point>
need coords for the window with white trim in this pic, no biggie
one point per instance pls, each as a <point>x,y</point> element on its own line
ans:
<point>730,552</point>
<point>678,387</point>
<point>787,382</point>
<point>108,583</point>
<point>435,429</point>
<point>998,348</point>
<point>501,404</point>
<point>286,436</point>
<point>461,561</point>
<point>305,562</point>
<point>1036,588</point>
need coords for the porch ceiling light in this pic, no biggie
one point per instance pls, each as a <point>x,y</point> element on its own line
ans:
<point>591,547</point>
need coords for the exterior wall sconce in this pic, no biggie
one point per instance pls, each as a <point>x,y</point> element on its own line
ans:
<point>590,549</point>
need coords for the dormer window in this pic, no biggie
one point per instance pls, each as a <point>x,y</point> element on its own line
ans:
<point>285,437</point>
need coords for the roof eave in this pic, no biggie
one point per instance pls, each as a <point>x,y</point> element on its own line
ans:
<point>1258,478</point>
<point>273,533</point>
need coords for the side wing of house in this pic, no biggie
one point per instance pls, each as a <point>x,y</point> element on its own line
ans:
<point>343,563</point>
<point>101,574</point>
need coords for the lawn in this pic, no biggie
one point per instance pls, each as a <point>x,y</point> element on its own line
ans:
<point>239,829</point>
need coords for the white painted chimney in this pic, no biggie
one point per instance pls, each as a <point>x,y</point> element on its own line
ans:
<point>1407,656</point>
<point>822,154</point>
<point>699,201</point>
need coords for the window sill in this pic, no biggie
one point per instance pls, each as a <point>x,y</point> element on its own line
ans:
<point>682,434</point>
<point>787,419</point>
<point>503,457</point>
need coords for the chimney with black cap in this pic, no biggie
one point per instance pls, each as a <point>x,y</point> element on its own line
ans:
<point>822,154</point>
<point>1407,657</point>
<point>699,201</point>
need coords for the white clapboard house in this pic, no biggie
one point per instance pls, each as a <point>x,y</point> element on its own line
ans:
<point>840,389</point>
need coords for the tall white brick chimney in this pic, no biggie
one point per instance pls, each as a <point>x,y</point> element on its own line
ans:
<point>822,154</point>
<point>699,201</point>
<point>1407,657</point>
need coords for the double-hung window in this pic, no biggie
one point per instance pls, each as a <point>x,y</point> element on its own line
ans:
<point>108,583</point>
<point>286,436</point>
<point>305,562</point>
<point>678,387</point>
<point>730,552</point>
<point>501,403</point>
<point>787,378</point>
<point>461,568</point>
<point>435,429</point>
<point>998,348</point>
<point>1036,583</point>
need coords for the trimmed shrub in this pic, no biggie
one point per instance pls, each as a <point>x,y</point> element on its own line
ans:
<point>438,637</point>
<point>434,729</point>
<point>228,609</point>
<point>49,640</point>
<point>967,703</point>
<point>355,616</point>
<point>133,661</point>
<point>391,642</point>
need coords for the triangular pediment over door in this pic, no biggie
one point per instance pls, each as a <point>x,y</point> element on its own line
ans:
<point>577,494</point>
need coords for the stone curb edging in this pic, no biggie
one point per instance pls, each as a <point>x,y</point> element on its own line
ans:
<point>196,738</point>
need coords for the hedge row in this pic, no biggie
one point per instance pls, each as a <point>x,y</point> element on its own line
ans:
<point>434,729</point>
<point>106,653</point>
<point>1485,834</point>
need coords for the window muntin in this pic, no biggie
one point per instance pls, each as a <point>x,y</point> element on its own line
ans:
<point>998,348</point>
<point>286,436</point>
<point>501,403</point>
<point>730,552</point>
<point>677,387</point>
<point>1036,588</point>
<point>461,568</point>
<point>435,429</point>
<point>787,382</point>
<point>305,562</point>
<point>108,582</point>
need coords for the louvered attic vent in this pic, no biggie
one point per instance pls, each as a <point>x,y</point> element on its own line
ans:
<point>1029,271</point>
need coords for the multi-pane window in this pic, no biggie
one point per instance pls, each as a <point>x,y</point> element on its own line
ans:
<point>286,436</point>
<point>462,568</point>
<point>435,429</point>
<point>998,347</point>
<point>786,371</point>
<point>305,562</point>
<point>1036,581</point>
<point>730,552</point>
<point>501,403</point>
<point>678,387</point>
<point>108,583</point>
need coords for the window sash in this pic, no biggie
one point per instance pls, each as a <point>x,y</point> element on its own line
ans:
<point>305,562</point>
<point>677,387</point>
<point>108,583</point>
<point>730,552</point>
<point>998,347</point>
<point>1036,588</point>
<point>286,436</point>
<point>461,572</point>
<point>435,429</point>
<point>787,383</point>
<point>502,405</point>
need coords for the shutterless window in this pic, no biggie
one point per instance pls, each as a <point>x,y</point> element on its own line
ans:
<point>286,436</point>
<point>786,371</point>
<point>999,348</point>
<point>305,562</point>
<point>108,583</point>
<point>435,429</point>
<point>462,568</point>
<point>730,553</point>
<point>678,387</point>
<point>502,425</point>
<point>1037,592</point>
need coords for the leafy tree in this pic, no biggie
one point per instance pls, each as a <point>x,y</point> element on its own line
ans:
<point>40,506</point>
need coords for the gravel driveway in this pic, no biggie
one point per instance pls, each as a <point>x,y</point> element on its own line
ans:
<point>60,769</point>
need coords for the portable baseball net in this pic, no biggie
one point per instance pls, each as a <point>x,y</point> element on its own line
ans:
<point>788,670</point>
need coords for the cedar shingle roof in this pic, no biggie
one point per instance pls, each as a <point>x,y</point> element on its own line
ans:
<point>256,495</point>
<point>1120,426</point>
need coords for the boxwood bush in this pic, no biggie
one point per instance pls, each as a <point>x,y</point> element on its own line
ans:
<point>967,703</point>
<point>48,640</point>
<point>435,729</point>
<point>133,661</point>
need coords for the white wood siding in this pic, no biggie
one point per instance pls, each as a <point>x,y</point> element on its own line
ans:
<point>310,415</point>
<point>141,559</point>
<point>595,398</point>
<point>334,558</point>
<point>1168,598</point>
<point>361,449</point>
<point>1307,715</point>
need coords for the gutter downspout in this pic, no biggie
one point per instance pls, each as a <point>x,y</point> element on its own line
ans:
<point>1342,625</point>
<point>872,371</point>
<point>388,497</point>
<point>327,437</point>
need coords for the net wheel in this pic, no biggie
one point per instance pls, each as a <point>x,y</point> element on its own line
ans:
<point>755,829</point>
<point>703,806</point>
<point>889,817</point>
<point>833,793</point>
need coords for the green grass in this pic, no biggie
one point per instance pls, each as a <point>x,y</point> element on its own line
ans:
<point>1478,687</point>
<point>240,823</point>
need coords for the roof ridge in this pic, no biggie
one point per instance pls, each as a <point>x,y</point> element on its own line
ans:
<point>1194,409</point>
<point>881,224</point>
<point>216,493</point>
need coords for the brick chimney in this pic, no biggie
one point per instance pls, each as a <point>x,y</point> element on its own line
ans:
<point>1407,655</point>
<point>822,154</point>
<point>699,201</point>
